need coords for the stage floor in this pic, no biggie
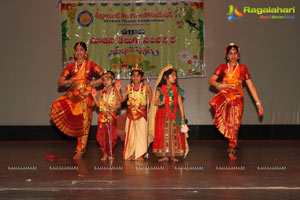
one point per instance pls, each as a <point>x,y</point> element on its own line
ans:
<point>263,170</point>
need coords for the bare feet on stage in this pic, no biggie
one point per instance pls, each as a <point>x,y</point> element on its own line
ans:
<point>130,158</point>
<point>77,156</point>
<point>111,158</point>
<point>232,157</point>
<point>231,153</point>
<point>164,159</point>
<point>174,159</point>
<point>104,157</point>
<point>140,158</point>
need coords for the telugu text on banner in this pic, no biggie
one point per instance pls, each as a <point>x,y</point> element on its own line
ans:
<point>152,35</point>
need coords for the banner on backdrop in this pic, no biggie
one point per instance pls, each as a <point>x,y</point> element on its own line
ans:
<point>121,35</point>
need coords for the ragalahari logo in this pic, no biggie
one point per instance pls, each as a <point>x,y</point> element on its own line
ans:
<point>233,13</point>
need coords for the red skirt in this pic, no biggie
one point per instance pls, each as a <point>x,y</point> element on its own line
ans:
<point>227,106</point>
<point>69,123</point>
<point>168,141</point>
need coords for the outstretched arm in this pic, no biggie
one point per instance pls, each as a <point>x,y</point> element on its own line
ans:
<point>255,96</point>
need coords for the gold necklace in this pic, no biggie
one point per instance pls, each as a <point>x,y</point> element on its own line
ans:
<point>76,64</point>
<point>229,73</point>
<point>108,97</point>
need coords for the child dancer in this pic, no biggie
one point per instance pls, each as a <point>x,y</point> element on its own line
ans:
<point>108,103</point>
<point>228,103</point>
<point>136,115</point>
<point>169,141</point>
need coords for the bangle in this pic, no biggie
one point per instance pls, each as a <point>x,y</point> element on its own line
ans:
<point>217,86</point>
<point>258,103</point>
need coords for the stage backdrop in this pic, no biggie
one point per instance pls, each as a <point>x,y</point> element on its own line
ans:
<point>121,35</point>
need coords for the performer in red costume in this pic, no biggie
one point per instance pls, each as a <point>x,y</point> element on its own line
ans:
<point>72,112</point>
<point>227,104</point>
<point>170,140</point>
<point>108,103</point>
